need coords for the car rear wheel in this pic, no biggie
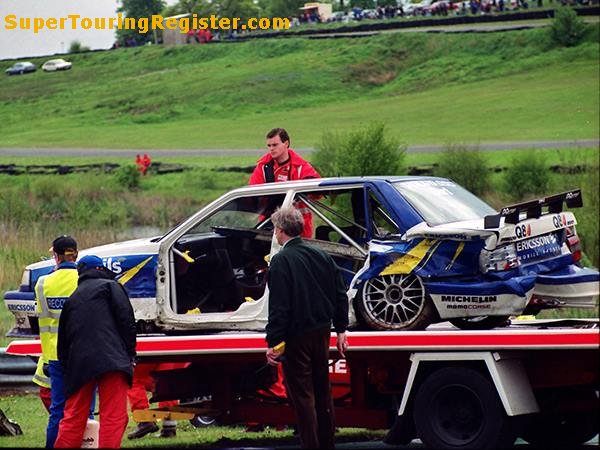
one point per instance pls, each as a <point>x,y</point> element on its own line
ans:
<point>394,302</point>
<point>480,323</point>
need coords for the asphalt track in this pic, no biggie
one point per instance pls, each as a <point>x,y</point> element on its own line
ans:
<point>178,153</point>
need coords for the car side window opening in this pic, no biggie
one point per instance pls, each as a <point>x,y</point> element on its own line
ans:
<point>339,226</point>
<point>343,208</point>
<point>381,220</point>
<point>220,262</point>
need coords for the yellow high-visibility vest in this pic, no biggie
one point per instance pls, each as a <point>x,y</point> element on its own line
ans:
<point>39,377</point>
<point>51,293</point>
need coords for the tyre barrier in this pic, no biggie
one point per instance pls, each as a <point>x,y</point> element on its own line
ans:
<point>15,371</point>
<point>13,169</point>
<point>55,169</point>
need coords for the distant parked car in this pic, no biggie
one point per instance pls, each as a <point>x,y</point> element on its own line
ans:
<point>422,9</point>
<point>338,16</point>
<point>21,68</point>
<point>56,64</point>
<point>369,14</point>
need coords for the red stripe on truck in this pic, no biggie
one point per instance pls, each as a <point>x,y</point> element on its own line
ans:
<point>361,341</point>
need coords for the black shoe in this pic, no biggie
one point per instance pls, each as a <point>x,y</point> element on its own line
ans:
<point>168,432</point>
<point>8,427</point>
<point>142,429</point>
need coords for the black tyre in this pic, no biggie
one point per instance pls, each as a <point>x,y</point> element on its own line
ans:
<point>394,302</point>
<point>203,421</point>
<point>556,429</point>
<point>459,408</point>
<point>480,323</point>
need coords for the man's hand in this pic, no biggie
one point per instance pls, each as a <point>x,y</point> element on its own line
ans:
<point>342,344</point>
<point>272,356</point>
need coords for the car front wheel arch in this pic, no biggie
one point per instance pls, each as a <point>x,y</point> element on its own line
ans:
<point>394,302</point>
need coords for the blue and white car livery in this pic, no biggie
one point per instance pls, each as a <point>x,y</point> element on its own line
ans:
<point>412,250</point>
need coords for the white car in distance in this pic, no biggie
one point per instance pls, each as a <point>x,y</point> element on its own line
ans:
<point>53,65</point>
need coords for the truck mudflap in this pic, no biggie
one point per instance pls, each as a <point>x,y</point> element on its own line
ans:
<point>505,369</point>
<point>489,298</point>
<point>571,286</point>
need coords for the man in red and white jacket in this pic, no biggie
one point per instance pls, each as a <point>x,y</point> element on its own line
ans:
<point>283,164</point>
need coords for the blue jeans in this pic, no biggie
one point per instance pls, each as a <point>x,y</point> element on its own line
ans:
<point>57,401</point>
<point>57,404</point>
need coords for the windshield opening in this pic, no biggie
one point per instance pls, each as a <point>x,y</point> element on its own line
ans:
<point>443,201</point>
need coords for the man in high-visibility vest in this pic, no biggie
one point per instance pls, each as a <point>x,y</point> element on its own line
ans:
<point>43,381</point>
<point>51,292</point>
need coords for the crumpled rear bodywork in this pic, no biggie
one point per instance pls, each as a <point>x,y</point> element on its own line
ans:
<point>450,272</point>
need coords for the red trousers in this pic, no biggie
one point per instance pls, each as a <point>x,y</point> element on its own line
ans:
<point>143,382</point>
<point>277,389</point>
<point>45,397</point>
<point>112,392</point>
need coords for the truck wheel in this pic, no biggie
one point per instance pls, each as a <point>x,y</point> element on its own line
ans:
<point>567,429</point>
<point>459,408</point>
<point>480,323</point>
<point>394,302</point>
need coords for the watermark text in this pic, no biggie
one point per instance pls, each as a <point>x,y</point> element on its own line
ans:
<point>143,24</point>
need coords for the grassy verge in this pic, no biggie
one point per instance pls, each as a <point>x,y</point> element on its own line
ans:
<point>28,412</point>
<point>427,88</point>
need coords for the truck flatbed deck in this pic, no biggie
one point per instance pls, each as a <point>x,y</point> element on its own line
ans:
<point>538,380</point>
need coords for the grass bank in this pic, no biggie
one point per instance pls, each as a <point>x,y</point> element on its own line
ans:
<point>427,88</point>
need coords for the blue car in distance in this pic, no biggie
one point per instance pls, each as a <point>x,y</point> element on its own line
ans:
<point>21,68</point>
<point>412,251</point>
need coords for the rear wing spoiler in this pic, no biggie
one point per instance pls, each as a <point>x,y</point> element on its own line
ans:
<point>533,208</point>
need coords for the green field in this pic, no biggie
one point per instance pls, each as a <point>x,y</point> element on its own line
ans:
<point>432,89</point>
<point>28,412</point>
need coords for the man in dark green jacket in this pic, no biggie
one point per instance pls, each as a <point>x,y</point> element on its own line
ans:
<point>306,295</point>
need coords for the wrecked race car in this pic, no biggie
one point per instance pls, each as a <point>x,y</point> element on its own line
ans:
<point>412,250</point>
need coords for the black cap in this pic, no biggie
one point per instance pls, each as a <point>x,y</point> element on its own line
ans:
<point>64,245</point>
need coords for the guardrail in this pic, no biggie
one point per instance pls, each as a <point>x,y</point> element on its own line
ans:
<point>15,371</point>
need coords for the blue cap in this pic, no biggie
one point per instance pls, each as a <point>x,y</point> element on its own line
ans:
<point>89,262</point>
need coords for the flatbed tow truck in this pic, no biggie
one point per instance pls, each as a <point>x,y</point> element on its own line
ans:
<point>538,380</point>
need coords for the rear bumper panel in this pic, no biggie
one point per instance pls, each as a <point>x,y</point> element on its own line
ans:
<point>573,287</point>
<point>570,286</point>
